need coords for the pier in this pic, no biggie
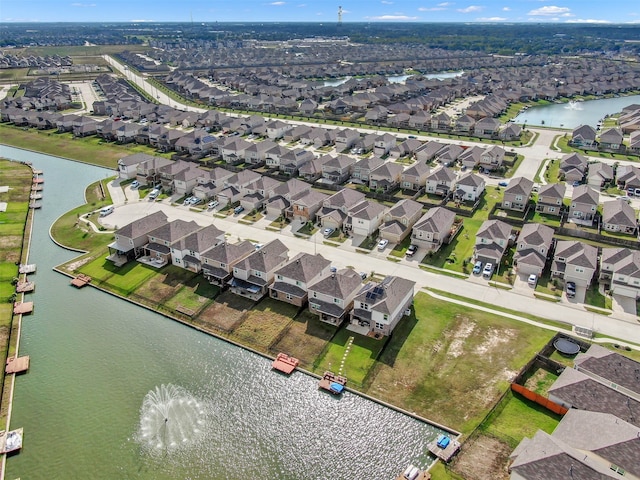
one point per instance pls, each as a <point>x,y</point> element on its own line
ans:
<point>332,383</point>
<point>11,441</point>
<point>414,473</point>
<point>27,268</point>
<point>25,287</point>
<point>81,280</point>
<point>285,364</point>
<point>17,365</point>
<point>22,308</point>
<point>444,448</point>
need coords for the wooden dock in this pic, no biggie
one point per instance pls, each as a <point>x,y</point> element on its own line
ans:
<point>22,308</point>
<point>445,454</point>
<point>27,268</point>
<point>25,287</point>
<point>36,187</point>
<point>81,280</point>
<point>35,204</point>
<point>285,364</point>
<point>17,364</point>
<point>11,441</point>
<point>332,383</point>
<point>35,196</point>
<point>414,473</point>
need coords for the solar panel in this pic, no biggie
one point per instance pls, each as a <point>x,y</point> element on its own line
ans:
<point>378,291</point>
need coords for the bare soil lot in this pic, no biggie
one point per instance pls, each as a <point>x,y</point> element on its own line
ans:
<point>305,338</point>
<point>225,314</point>
<point>483,458</point>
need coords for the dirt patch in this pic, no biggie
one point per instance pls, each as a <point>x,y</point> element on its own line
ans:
<point>10,241</point>
<point>458,337</point>
<point>493,338</point>
<point>305,338</point>
<point>226,313</point>
<point>73,266</point>
<point>10,256</point>
<point>481,458</point>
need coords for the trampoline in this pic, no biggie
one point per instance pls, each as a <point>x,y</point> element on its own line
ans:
<point>566,346</point>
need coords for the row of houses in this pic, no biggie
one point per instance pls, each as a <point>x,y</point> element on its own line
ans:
<point>256,271</point>
<point>610,139</point>
<point>575,168</point>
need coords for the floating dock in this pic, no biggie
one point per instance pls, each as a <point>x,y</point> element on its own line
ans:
<point>17,364</point>
<point>81,280</point>
<point>332,383</point>
<point>22,308</point>
<point>414,473</point>
<point>285,364</point>
<point>35,204</point>
<point>25,287</point>
<point>27,268</point>
<point>36,187</point>
<point>35,196</point>
<point>11,441</point>
<point>444,448</point>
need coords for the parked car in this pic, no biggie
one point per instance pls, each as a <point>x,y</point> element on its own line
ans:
<point>382,244</point>
<point>238,210</point>
<point>503,184</point>
<point>187,201</point>
<point>488,270</point>
<point>327,232</point>
<point>135,184</point>
<point>532,280</point>
<point>363,275</point>
<point>104,211</point>
<point>477,268</point>
<point>212,204</point>
<point>154,193</point>
<point>571,289</point>
<point>411,251</point>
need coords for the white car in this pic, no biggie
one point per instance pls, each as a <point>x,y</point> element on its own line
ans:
<point>154,193</point>
<point>135,184</point>
<point>382,244</point>
<point>212,204</point>
<point>532,280</point>
<point>488,270</point>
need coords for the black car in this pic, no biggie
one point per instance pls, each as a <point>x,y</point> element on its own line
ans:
<point>412,250</point>
<point>571,289</point>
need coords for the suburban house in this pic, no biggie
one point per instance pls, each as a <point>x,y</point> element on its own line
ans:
<point>168,173</point>
<point>433,228</point>
<point>584,136</point>
<point>491,158</point>
<point>157,251</point>
<point>331,298</point>
<point>584,204</point>
<point>336,208</point>
<point>274,154</point>
<point>291,161</point>
<point>277,129</point>
<point>363,168</point>
<point>464,124</point>
<point>511,131</point>
<point>185,180</point>
<point>253,275</point>
<point>256,153</point>
<point>280,199</point>
<point>572,167</point>
<point>415,177</point>
<point>428,151</point>
<point>441,181</point>
<point>312,170</point>
<point>210,182</point>
<point>383,144</point>
<point>628,177</point>
<point>469,188</point>
<point>258,192</point>
<point>619,216</point>
<point>599,174</point>
<point>127,166</point>
<point>218,262</point>
<point>533,248</point>
<point>620,270</point>
<point>338,169</point>
<point>364,218</point>
<point>148,171</point>
<point>587,444</point>
<point>187,251</point>
<point>378,307</point>
<point>386,177</point>
<point>516,195</point>
<point>574,262</point>
<point>130,240</point>
<point>492,240</point>
<point>293,279</point>
<point>305,205</point>
<point>611,139</point>
<point>400,219</point>
<point>471,157</point>
<point>486,127</point>
<point>233,151</point>
<point>345,139</point>
<point>550,198</point>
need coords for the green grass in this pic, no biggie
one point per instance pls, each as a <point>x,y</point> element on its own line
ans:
<point>516,418</point>
<point>123,280</point>
<point>362,354</point>
<point>596,299</point>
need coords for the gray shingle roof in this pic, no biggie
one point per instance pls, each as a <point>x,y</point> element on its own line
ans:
<point>585,194</point>
<point>393,291</point>
<point>519,186</point>
<point>143,225</point>
<point>577,253</point>
<point>303,267</point>
<point>616,368</point>
<point>175,230</point>
<point>342,284</point>
<point>229,253</point>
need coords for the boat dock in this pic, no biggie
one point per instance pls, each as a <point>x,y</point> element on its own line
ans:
<point>27,268</point>
<point>22,308</point>
<point>414,473</point>
<point>444,448</point>
<point>17,364</point>
<point>81,280</point>
<point>11,441</point>
<point>35,196</point>
<point>285,364</point>
<point>332,383</point>
<point>25,287</point>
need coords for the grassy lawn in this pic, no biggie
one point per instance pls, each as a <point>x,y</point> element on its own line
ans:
<point>545,285</point>
<point>516,417</point>
<point>194,295</point>
<point>264,323</point>
<point>123,280</point>
<point>456,255</point>
<point>359,355</point>
<point>564,147</point>
<point>308,229</point>
<point>305,338</point>
<point>543,218</point>
<point>225,314</point>
<point>401,248</point>
<point>596,299</point>
<point>552,171</point>
<point>464,354</point>
<point>541,380</point>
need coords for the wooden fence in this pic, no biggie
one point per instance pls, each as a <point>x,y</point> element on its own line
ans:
<point>539,399</point>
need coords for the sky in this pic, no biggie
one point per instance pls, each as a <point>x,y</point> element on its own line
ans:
<point>567,11</point>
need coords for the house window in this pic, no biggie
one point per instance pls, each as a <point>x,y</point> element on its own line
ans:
<point>364,306</point>
<point>337,300</point>
<point>552,209</point>
<point>518,198</point>
<point>235,270</point>
<point>579,270</point>
<point>314,305</point>
<point>385,317</point>
<point>279,277</point>
<point>223,265</point>
<point>315,294</point>
<point>298,283</point>
<point>257,273</point>
<point>379,326</point>
<point>289,296</point>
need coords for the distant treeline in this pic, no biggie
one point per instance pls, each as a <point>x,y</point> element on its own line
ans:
<point>504,39</point>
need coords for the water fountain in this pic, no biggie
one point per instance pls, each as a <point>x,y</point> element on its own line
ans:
<point>170,419</point>
<point>573,105</point>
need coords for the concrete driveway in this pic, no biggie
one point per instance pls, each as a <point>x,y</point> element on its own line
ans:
<point>623,304</point>
<point>521,285</point>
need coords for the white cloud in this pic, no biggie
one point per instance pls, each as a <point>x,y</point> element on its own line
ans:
<point>444,4</point>
<point>386,2</point>
<point>506,9</point>
<point>83,5</point>
<point>384,18</point>
<point>491,19</point>
<point>432,9</point>
<point>589,20</point>
<point>277,3</point>
<point>470,9</point>
<point>549,10</point>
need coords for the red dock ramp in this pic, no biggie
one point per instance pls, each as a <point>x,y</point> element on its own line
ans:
<point>285,364</point>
